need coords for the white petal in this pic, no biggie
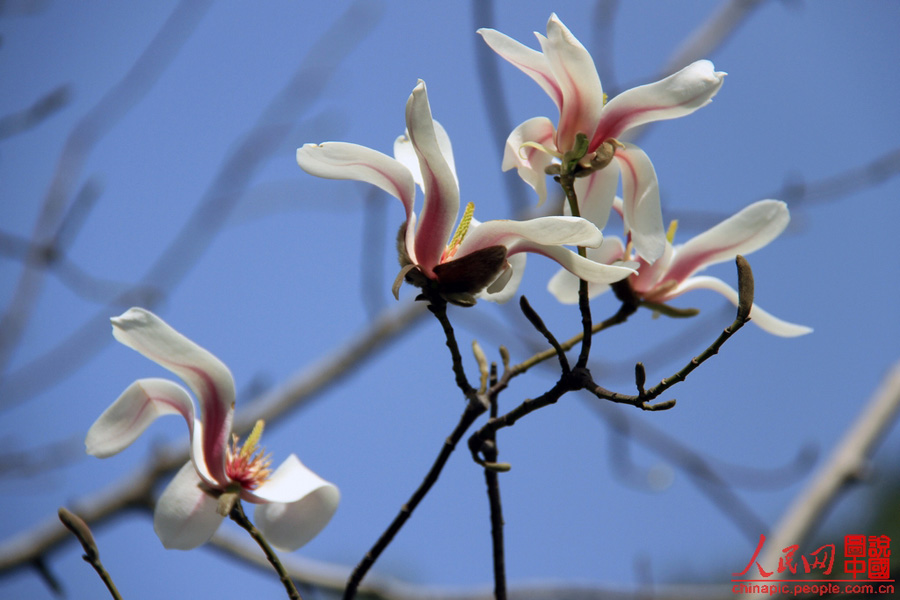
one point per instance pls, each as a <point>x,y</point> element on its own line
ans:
<point>186,514</point>
<point>583,268</point>
<point>441,205</point>
<point>126,419</point>
<point>766,321</point>
<point>543,230</point>
<point>675,96</point>
<point>406,154</point>
<point>564,285</point>
<point>747,231</point>
<point>640,197</point>
<point>208,378</point>
<point>529,61</point>
<point>596,194</point>
<point>301,504</point>
<point>576,76</point>
<point>340,160</point>
<point>531,162</point>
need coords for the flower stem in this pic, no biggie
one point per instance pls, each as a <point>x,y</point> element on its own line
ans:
<point>237,515</point>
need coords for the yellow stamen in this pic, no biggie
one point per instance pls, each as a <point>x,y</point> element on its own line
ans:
<point>537,146</point>
<point>461,230</point>
<point>670,234</point>
<point>605,98</point>
<point>253,439</point>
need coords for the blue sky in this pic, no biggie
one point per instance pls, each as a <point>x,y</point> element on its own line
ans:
<point>299,265</point>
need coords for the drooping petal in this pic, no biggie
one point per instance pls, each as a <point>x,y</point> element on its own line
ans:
<point>542,230</point>
<point>596,194</point>
<point>185,515</point>
<point>529,61</point>
<point>576,76</point>
<point>765,320</point>
<point>640,197</point>
<point>125,420</point>
<point>564,285</point>
<point>441,205</point>
<point>675,96</point>
<point>206,375</point>
<point>300,505</point>
<point>531,162</point>
<point>583,268</point>
<point>743,233</point>
<point>340,160</point>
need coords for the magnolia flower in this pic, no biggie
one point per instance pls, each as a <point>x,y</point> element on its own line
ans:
<point>566,71</point>
<point>673,274</point>
<point>294,504</point>
<point>482,259</point>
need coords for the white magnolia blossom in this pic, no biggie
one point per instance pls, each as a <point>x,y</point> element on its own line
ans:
<point>674,273</point>
<point>293,503</point>
<point>483,260</point>
<point>566,71</point>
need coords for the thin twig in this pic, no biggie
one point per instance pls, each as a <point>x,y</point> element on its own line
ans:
<point>491,477</point>
<point>91,553</point>
<point>237,515</point>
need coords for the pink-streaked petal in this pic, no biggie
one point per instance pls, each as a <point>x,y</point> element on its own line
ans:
<point>441,206</point>
<point>675,96</point>
<point>765,320</point>
<point>543,230</point>
<point>340,160</point>
<point>583,268</point>
<point>743,233</point>
<point>650,274</point>
<point>576,76</point>
<point>529,61</point>
<point>126,419</point>
<point>640,197</point>
<point>596,194</point>
<point>531,162</point>
<point>185,515</point>
<point>290,524</point>
<point>506,285</point>
<point>406,154</point>
<point>206,375</point>
<point>564,285</point>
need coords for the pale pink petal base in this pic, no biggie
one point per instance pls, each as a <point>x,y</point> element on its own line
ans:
<point>186,514</point>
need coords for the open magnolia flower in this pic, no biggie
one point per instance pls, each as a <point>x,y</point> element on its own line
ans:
<point>294,504</point>
<point>673,274</point>
<point>566,71</point>
<point>482,260</point>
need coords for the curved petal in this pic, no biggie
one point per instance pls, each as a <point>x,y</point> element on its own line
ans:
<point>640,196</point>
<point>506,285</point>
<point>542,230</point>
<point>340,160</point>
<point>308,504</point>
<point>743,233</point>
<point>564,285</point>
<point>576,76</point>
<point>766,321</point>
<point>185,515</point>
<point>125,420</point>
<point>406,154</point>
<point>675,96</point>
<point>441,205</point>
<point>531,62</point>
<point>596,194</point>
<point>206,375</point>
<point>583,268</point>
<point>531,162</point>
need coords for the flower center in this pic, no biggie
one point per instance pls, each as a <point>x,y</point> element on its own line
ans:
<point>248,465</point>
<point>461,231</point>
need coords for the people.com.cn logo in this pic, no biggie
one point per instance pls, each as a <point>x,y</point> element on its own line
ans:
<point>864,568</point>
